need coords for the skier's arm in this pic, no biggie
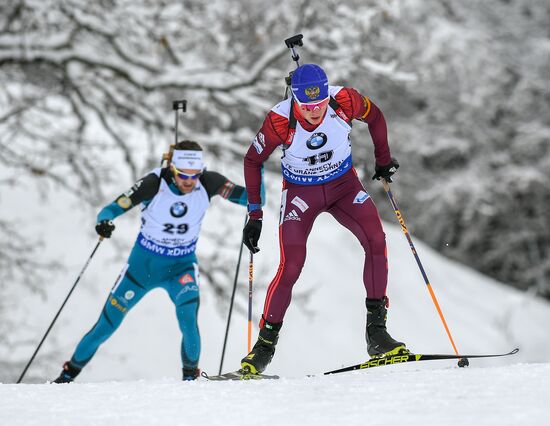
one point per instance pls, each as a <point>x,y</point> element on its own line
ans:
<point>359,107</point>
<point>142,191</point>
<point>270,136</point>
<point>217,184</point>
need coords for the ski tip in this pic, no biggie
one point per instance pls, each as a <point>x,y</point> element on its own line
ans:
<point>515,351</point>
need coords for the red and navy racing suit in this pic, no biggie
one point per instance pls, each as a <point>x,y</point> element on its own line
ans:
<point>312,185</point>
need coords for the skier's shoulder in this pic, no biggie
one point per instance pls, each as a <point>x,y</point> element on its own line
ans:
<point>344,95</point>
<point>154,177</point>
<point>275,126</point>
<point>282,109</point>
<point>353,104</point>
<point>145,188</point>
<point>151,182</point>
<point>333,91</point>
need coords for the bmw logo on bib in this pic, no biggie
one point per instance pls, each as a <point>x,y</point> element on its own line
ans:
<point>316,141</point>
<point>178,209</point>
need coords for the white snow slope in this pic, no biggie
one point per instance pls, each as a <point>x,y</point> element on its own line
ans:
<point>510,395</point>
<point>133,379</point>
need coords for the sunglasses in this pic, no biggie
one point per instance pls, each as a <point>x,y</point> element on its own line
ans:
<point>312,106</point>
<point>186,176</point>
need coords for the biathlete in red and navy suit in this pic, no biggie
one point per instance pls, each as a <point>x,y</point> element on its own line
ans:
<point>313,130</point>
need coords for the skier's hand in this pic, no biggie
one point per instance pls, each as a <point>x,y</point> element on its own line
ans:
<point>251,234</point>
<point>105,228</point>
<point>386,172</point>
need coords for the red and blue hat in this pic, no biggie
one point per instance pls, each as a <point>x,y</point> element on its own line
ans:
<point>309,83</point>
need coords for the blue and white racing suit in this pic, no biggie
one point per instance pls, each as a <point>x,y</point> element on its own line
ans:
<point>163,256</point>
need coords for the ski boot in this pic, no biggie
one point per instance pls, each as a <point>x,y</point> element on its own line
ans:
<point>68,373</point>
<point>264,349</point>
<point>191,373</point>
<point>379,342</point>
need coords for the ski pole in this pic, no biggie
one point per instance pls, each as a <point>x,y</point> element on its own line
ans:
<point>462,362</point>
<point>60,309</point>
<point>176,106</point>
<point>291,43</point>
<point>250,281</point>
<point>232,300</point>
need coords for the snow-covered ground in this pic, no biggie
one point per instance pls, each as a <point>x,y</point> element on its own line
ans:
<point>511,395</point>
<point>133,379</point>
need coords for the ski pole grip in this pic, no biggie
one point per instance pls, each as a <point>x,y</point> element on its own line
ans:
<point>294,41</point>
<point>182,104</point>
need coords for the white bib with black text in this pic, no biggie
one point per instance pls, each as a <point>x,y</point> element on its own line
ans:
<point>318,156</point>
<point>170,223</point>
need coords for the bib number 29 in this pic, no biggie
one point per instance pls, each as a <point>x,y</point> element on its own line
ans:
<point>170,228</point>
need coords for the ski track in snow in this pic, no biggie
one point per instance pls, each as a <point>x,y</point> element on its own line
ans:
<point>511,395</point>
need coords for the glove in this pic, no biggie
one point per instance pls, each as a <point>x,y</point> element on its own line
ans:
<point>386,172</point>
<point>251,234</point>
<point>105,228</point>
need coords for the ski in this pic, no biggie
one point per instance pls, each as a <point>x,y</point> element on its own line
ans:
<point>239,375</point>
<point>409,357</point>
<point>373,362</point>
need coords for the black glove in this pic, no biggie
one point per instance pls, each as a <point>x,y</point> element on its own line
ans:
<point>386,172</point>
<point>251,234</point>
<point>105,228</point>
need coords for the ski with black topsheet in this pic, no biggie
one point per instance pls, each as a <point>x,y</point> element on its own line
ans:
<point>409,357</point>
<point>373,362</point>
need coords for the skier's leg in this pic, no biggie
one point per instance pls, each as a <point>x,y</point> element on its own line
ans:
<point>184,293</point>
<point>127,291</point>
<point>356,211</point>
<point>123,297</point>
<point>300,205</point>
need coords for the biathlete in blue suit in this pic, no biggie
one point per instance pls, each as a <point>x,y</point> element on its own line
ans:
<point>174,201</point>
